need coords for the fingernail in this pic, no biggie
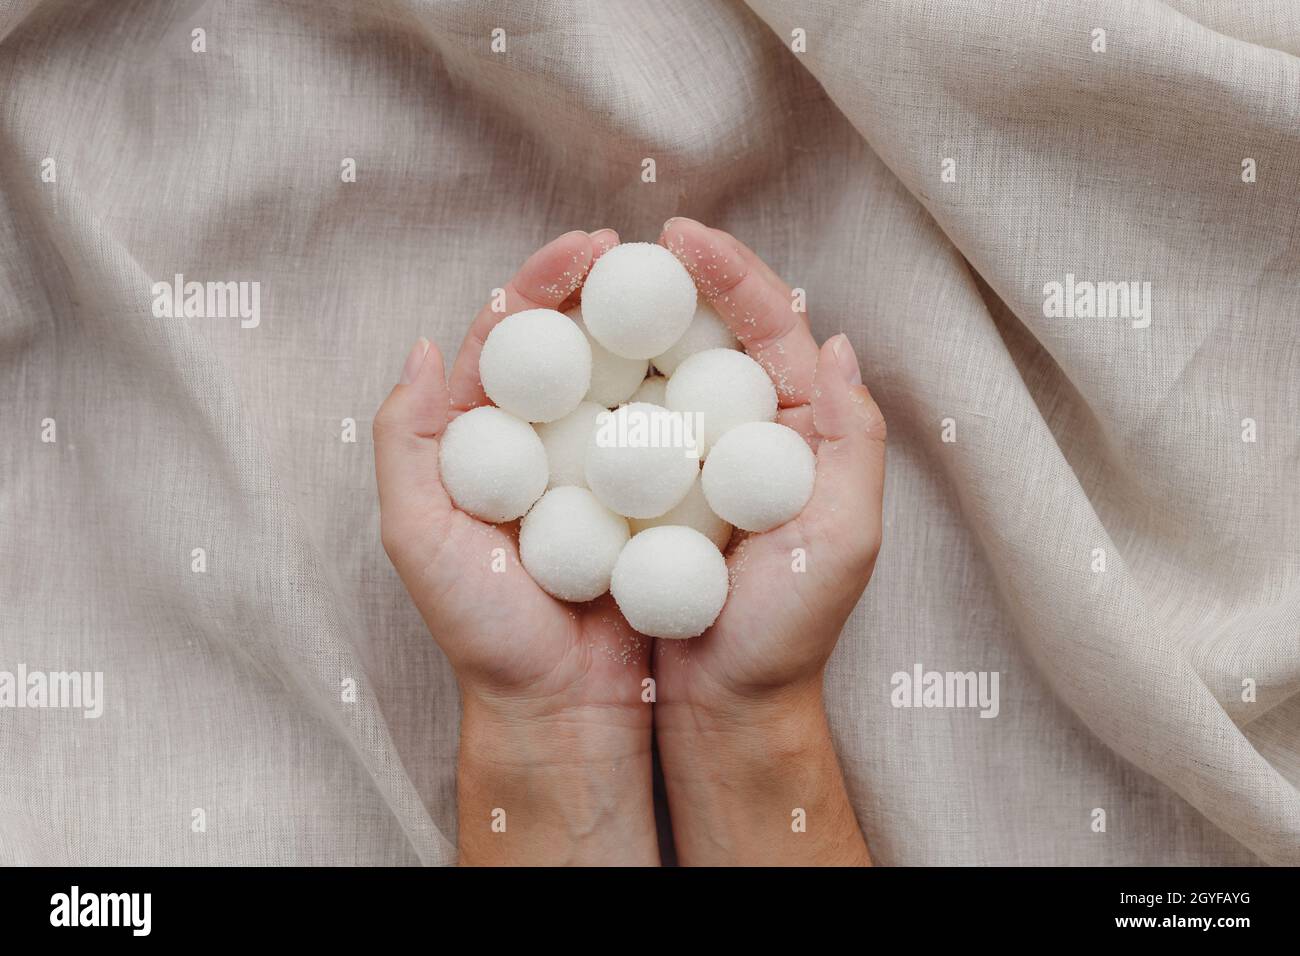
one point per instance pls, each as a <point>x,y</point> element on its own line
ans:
<point>676,219</point>
<point>413,361</point>
<point>847,360</point>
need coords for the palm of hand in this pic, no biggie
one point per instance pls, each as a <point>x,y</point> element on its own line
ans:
<point>790,594</point>
<point>502,631</point>
<point>792,587</point>
<point>509,637</point>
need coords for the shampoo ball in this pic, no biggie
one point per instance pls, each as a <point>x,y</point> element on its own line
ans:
<point>492,464</point>
<point>728,388</point>
<point>613,378</point>
<point>536,365</point>
<point>706,331</point>
<point>638,300</point>
<point>638,462</point>
<point>759,475</point>
<point>570,543</point>
<point>693,511</point>
<point>565,441</point>
<point>670,582</point>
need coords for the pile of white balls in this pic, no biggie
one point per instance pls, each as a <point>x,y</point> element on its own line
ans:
<point>606,505</point>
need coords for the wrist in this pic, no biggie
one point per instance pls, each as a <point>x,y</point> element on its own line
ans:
<point>755,781</point>
<point>513,735</point>
<point>744,737</point>
<point>544,782</point>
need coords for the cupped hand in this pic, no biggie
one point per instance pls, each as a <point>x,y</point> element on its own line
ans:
<point>554,764</point>
<point>509,642</point>
<point>792,587</point>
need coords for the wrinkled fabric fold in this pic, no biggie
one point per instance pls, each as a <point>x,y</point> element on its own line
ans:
<point>925,171</point>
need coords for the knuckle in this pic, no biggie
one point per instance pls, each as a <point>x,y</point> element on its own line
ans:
<point>877,429</point>
<point>873,419</point>
<point>386,423</point>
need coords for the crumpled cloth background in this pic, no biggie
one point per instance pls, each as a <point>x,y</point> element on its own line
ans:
<point>1120,690</point>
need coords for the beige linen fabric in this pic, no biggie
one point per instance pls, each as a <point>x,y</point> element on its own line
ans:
<point>1120,690</point>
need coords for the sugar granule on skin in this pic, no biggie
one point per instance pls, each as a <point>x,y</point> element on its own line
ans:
<point>573,277</point>
<point>628,651</point>
<point>738,559</point>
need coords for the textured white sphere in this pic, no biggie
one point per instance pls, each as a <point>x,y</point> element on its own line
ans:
<point>570,543</point>
<point>759,475</point>
<point>653,390</point>
<point>536,365</point>
<point>670,582</point>
<point>693,511</point>
<point>638,300</point>
<point>706,331</point>
<point>633,466</point>
<point>492,464</point>
<point>729,388</point>
<point>565,441</point>
<point>613,378</point>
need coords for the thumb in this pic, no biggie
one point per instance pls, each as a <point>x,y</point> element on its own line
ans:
<point>406,430</point>
<point>848,495</point>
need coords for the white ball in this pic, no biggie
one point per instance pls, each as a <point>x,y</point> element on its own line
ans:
<point>570,542</point>
<point>613,378</point>
<point>565,441</point>
<point>670,582</point>
<point>653,390</point>
<point>728,388</point>
<point>536,365</point>
<point>706,331</point>
<point>693,511</point>
<point>759,475</point>
<point>492,464</point>
<point>638,300</point>
<point>636,464</point>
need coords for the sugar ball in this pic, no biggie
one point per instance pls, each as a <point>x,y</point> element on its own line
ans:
<point>670,582</point>
<point>728,388</point>
<point>492,464</point>
<point>653,390</point>
<point>613,378</point>
<point>565,441</point>
<point>570,542</point>
<point>638,300</point>
<point>639,460</point>
<point>759,475</point>
<point>693,511</point>
<point>706,331</point>
<point>536,365</point>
